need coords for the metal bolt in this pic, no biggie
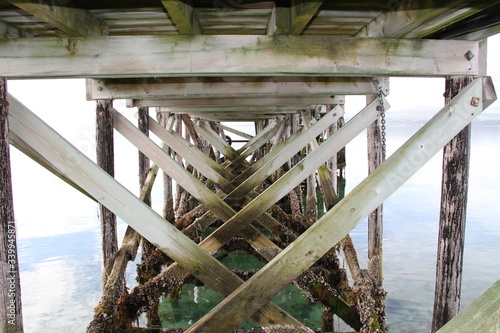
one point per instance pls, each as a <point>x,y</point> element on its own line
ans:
<point>469,55</point>
<point>99,88</point>
<point>475,101</point>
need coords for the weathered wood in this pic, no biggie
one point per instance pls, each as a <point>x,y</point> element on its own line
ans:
<point>217,102</point>
<point>302,12</point>
<point>363,199</point>
<point>204,164</point>
<point>137,214</point>
<point>375,222</point>
<point>234,131</point>
<point>183,15</point>
<point>217,141</point>
<point>226,87</point>
<point>454,189</point>
<point>243,55</point>
<point>127,252</point>
<point>69,18</point>
<point>482,315</point>
<point>35,156</point>
<point>11,316</point>
<point>291,179</point>
<point>281,153</point>
<point>9,31</point>
<point>105,159</point>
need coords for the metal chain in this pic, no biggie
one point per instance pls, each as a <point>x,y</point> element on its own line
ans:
<point>381,108</point>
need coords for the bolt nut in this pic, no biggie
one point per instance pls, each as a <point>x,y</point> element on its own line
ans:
<point>469,55</point>
<point>475,101</point>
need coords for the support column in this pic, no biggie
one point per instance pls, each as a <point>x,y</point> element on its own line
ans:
<point>11,319</point>
<point>454,189</point>
<point>105,159</point>
<point>375,222</point>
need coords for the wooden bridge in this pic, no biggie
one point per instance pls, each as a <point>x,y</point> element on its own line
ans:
<point>285,66</point>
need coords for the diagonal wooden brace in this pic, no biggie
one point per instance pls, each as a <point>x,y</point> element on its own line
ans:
<point>74,165</point>
<point>360,202</point>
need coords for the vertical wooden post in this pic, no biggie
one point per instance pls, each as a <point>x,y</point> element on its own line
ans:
<point>168,198</point>
<point>11,319</point>
<point>452,217</point>
<point>375,222</point>
<point>105,159</point>
<point>311,198</point>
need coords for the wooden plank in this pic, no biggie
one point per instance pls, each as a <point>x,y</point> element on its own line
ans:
<point>217,141</point>
<point>302,12</point>
<point>123,203</point>
<point>183,15</point>
<point>234,131</point>
<point>244,110</point>
<point>226,87</point>
<point>70,18</point>
<point>337,223</point>
<point>237,101</point>
<point>482,315</point>
<point>243,55</point>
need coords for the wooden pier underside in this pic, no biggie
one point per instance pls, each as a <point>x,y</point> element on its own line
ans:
<point>278,63</point>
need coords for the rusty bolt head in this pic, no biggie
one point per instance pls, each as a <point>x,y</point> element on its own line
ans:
<point>475,101</point>
<point>469,55</point>
<point>99,88</point>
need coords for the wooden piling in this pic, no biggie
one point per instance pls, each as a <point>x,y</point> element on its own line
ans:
<point>105,159</point>
<point>456,155</point>
<point>375,222</point>
<point>11,318</point>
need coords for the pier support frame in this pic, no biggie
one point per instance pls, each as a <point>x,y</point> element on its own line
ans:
<point>11,318</point>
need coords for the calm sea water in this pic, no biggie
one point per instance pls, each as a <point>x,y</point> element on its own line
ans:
<point>60,253</point>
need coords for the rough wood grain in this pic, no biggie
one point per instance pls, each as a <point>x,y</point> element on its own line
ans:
<point>11,316</point>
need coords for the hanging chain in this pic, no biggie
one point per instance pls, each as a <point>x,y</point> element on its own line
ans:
<point>381,108</point>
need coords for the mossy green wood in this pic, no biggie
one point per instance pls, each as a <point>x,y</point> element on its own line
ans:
<point>183,15</point>
<point>228,55</point>
<point>360,202</point>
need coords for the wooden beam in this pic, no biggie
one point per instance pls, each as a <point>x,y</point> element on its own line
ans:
<point>292,17</point>
<point>482,315</point>
<point>11,314</point>
<point>70,18</point>
<point>9,31</point>
<point>239,102</point>
<point>228,87</point>
<point>338,222</point>
<point>123,203</point>
<point>236,110</point>
<point>302,12</point>
<point>241,55</point>
<point>234,131</point>
<point>183,15</point>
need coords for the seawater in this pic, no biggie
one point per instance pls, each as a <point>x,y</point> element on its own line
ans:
<point>60,267</point>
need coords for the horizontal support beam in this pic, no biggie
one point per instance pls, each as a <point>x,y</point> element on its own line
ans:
<point>234,55</point>
<point>229,87</point>
<point>236,101</point>
<point>244,110</point>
